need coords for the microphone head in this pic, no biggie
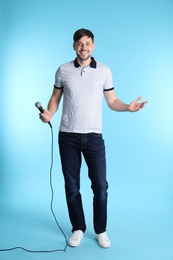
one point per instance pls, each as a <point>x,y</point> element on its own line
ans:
<point>38,105</point>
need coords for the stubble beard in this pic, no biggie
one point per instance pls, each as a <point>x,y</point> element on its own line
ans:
<point>83,59</point>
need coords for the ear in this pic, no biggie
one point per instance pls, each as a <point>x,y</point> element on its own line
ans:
<point>73,46</point>
<point>93,46</point>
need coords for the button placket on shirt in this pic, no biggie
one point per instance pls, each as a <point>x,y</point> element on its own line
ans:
<point>83,71</point>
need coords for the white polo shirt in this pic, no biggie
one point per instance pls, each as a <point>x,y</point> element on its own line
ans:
<point>83,95</point>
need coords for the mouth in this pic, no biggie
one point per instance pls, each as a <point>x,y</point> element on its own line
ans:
<point>84,52</point>
<point>83,55</point>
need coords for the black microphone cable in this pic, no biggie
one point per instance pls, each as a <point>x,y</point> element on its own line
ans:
<point>51,207</point>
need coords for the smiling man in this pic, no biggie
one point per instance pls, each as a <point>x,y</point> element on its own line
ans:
<point>83,47</point>
<point>83,83</point>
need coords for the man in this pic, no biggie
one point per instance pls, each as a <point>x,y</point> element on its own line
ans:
<point>83,83</point>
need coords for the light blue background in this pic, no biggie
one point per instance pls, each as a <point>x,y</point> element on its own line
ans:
<point>135,39</point>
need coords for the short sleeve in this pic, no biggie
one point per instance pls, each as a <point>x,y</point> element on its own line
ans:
<point>58,79</point>
<point>109,81</point>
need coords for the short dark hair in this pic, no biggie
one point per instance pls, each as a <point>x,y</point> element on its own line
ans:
<point>82,32</point>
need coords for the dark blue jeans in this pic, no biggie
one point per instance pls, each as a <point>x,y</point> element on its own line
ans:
<point>91,145</point>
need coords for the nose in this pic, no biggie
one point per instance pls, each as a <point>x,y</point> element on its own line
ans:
<point>83,46</point>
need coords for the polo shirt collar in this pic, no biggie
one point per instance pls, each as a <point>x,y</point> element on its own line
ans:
<point>93,63</point>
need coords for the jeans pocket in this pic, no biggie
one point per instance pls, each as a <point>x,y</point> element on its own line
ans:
<point>96,135</point>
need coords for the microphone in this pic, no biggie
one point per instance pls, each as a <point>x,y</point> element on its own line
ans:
<point>39,106</point>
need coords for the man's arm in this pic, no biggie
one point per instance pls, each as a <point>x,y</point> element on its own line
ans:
<point>52,105</point>
<point>116,104</point>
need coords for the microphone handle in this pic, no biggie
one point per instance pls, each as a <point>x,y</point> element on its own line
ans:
<point>42,111</point>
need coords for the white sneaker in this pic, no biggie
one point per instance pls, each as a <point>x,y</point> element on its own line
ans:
<point>103,240</point>
<point>76,238</point>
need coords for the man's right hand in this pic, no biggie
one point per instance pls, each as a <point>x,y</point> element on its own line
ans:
<point>45,116</point>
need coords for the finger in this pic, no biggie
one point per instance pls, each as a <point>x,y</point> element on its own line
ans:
<point>144,103</point>
<point>139,98</point>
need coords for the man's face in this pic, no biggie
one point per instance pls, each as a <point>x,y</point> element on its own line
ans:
<point>84,47</point>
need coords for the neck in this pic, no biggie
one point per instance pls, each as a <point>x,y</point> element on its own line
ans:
<point>84,63</point>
